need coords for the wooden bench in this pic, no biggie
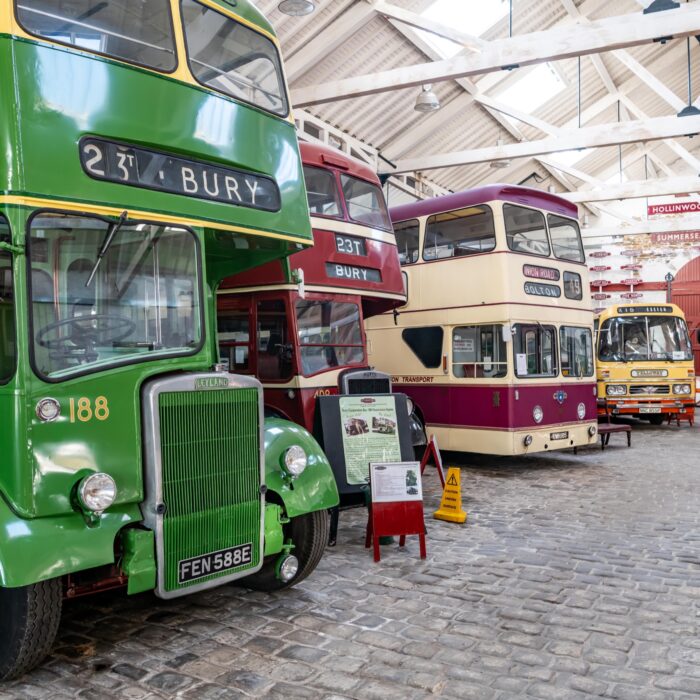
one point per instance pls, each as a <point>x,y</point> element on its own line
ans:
<point>606,429</point>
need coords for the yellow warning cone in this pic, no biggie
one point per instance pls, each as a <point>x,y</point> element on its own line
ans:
<point>451,504</point>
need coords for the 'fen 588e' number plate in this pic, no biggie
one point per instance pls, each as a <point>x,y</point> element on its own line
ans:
<point>214,562</point>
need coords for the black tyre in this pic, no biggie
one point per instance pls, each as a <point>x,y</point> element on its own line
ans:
<point>656,420</point>
<point>29,618</point>
<point>309,533</point>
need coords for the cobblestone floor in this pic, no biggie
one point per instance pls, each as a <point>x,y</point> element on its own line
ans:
<point>574,577</point>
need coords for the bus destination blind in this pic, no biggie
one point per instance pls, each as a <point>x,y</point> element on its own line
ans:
<point>153,170</point>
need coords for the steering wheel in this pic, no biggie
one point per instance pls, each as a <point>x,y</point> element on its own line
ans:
<point>85,332</point>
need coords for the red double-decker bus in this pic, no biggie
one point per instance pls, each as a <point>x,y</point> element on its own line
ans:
<point>298,324</point>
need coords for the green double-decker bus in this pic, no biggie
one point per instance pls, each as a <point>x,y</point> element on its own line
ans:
<point>148,152</point>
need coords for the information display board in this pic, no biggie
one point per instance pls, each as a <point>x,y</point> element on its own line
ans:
<point>358,429</point>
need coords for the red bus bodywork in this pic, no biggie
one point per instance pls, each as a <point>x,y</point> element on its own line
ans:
<point>351,262</point>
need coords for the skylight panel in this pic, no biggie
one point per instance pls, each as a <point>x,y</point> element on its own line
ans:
<point>468,16</point>
<point>533,89</point>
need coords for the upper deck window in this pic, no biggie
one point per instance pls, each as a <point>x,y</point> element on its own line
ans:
<point>322,192</point>
<point>525,230</point>
<point>365,202</point>
<point>566,238</point>
<point>232,58</point>
<point>137,31</point>
<point>462,232</point>
<point>406,233</point>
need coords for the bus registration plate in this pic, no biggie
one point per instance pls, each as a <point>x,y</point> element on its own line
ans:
<point>563,435</point>
<point>650,409</point>
<point>214,562</point>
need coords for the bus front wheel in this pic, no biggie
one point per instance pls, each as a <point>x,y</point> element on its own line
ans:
<point>656,420</point>
<point>309,534</point>
<point>28,625</point>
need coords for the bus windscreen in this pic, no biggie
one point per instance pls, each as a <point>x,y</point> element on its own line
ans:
<point>640,338</point>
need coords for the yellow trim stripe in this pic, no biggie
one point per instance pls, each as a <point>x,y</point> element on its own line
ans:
<point>146,215</point>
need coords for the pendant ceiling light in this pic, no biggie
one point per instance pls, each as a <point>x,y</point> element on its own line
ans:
<point>427,100</point>
<point>296,8</point>
<point>691,110</point>
<point>504,163</point>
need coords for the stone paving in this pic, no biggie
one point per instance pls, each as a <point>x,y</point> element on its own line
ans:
<point>574,577</point>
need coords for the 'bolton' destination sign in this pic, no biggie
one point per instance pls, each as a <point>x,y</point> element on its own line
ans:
<point>141,167</point>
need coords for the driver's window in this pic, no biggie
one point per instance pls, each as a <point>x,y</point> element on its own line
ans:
<point>274,351</point>
<point>8,345</point>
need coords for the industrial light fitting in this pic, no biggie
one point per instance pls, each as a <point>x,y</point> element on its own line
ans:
<point>296,8</point>
<point>691,110</point>
<point>503,163</point>
<point>427,100</point>
<point>660,6</point>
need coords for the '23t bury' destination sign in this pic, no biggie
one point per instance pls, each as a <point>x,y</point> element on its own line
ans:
<point>141,167</point>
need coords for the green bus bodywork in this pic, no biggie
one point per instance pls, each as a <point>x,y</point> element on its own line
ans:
<point>51,97</point>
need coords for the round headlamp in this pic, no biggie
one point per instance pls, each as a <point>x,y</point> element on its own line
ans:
<point>48,409</point>
<point>287,567</point>
<point>97,492</point>
<point>527,440</point>
<point>581,411</point>
<point>681,388</point>
<point>592,430</point>
<point>537,414</point>
<point>295,460</point>
<point>615,389</point>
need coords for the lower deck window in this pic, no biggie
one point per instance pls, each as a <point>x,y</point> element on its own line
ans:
<point>535,353</point>
<point>329,335</point>
<point>479,351</point>
<point>576,351</point>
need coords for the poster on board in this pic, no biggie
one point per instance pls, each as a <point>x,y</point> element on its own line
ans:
<point>370,434</point>
<point>396,482</point>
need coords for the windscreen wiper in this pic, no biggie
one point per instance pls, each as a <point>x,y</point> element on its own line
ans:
<point>109,237</point>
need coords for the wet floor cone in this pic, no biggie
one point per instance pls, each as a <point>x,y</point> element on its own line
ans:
<point>451,504</point>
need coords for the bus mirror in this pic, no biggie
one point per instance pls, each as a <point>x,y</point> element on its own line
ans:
<point>298,277</point>
<point>507,332</point>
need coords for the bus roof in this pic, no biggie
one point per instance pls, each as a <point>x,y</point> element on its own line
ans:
<point>480,195</point>
<point>639,308</point>
<point>328,157</point>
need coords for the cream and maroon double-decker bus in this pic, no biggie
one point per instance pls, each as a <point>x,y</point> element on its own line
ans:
<point>494,346</point>
<point>298,324</point>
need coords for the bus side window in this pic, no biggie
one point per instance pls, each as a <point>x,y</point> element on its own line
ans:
<point>273,350</point>
<point>8,344</point>
<point>406,233</point>
<point>234,339</point>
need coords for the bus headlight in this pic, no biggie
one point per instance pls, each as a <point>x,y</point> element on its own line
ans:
<point>295,460</point>
<point>615,389</point>
<point>537,414</point>
<point>97,492</point>
<point>581,411</point>
<point>527,440</point>
<point>681,388</point>
<point>592,430</point>
<point>48,409</point>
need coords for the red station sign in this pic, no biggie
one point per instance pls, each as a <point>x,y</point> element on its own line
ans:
<point>600,283</point>
<point>673,208</point>
<point>630,267</point>
<point>599,268</point>
<point>599,296</point>
<point>598,254</point>
<point>631,295</point>
<point>632,281</point>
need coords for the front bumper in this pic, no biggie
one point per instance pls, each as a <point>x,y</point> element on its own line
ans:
<point>550,438</point>
<point>633,407</point>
